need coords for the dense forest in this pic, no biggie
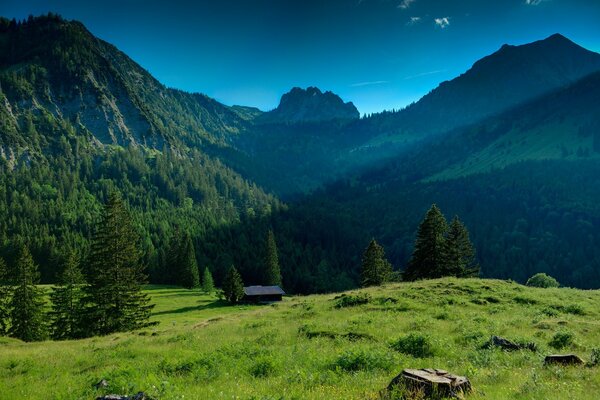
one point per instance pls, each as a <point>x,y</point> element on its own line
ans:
<point>80,120</point>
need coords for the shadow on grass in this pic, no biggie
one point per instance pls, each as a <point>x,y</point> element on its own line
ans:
<point>214,304</point>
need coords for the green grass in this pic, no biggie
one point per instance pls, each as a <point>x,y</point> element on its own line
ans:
<point>307,348</point>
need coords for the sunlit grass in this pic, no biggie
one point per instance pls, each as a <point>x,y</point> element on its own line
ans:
<point>307,348</point>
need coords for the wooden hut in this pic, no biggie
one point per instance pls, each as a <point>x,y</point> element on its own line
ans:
<point>263,294</point>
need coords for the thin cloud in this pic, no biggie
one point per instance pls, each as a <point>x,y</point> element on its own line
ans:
<point>360,84</point>
<point>404,4</point>
<point>443,22</point>
<point>413,21</point>
<point>437,71</point>
<point>535,2</point>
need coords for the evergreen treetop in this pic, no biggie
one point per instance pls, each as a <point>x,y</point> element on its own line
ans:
<point>428,258</point>
<point>233,286</point>
<point>272,272</point>
<point>114,294</point>
<point>27,303</point>
<point>375,268</point>
<point>208,284</point>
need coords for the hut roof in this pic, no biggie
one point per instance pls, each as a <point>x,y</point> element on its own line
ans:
<point>262,290</point>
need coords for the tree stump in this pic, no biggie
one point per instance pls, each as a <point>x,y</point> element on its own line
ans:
<point>564,359</point>
<point>431,382</point>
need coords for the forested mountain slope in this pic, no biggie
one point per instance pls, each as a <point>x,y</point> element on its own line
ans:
<point>79,119</point>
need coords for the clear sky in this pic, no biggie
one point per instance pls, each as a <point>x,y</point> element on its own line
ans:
<point>380,54</point>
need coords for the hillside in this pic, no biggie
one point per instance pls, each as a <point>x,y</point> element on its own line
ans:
<point>302,157</point>
<point>509,77</point>
<point>306,347</point>
<point>79,119</point>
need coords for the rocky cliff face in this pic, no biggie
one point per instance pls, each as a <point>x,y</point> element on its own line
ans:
<point>311,105</point>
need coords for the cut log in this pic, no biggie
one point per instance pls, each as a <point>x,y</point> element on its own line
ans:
<point>564,359</point>
<point>431,381</point>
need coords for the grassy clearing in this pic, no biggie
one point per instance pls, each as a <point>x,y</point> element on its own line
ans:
<point>313,348</point>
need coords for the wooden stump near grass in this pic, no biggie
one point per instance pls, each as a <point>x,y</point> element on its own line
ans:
<point>431,383</point>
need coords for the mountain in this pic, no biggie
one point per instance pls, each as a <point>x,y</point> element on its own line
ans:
<point>301,157</point>
<point>79,119</point>
<point>310,105</point>
<point>502,80</point>
<point>525,182</point>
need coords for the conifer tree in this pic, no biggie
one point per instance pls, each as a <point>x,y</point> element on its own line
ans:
<point>233,286</point>
<point>428,257</point>
<point>114,297</point>
<point>459,253</point>
<point>273,272</point>
<point>66,298</point>
<point>375,268</point>
<point>172,262</point>
<point>5,296</point>
<point>188,266</point>
<point>208,284</point>
<point>27,303</point>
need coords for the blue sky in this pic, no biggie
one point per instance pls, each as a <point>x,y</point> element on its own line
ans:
<point>380,54</point>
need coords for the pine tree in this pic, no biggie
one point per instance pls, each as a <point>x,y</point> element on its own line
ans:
<point>375,268</point>
<point>272,272</point>
<point>188,275</point>
<point>172,262</point>
<point>66,298</point>
<point>208,284</point>
<point>114,297</point>
<point>428,258</point>
<point>233,286</point>
<point>459,253</point>
<point>27,303</point>
<point>5,296</point>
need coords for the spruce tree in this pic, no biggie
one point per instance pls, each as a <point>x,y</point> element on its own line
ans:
<point>208,284</point>
<point>66,298</point>
<point>459,253</point>
<point>272,272</point>
<point>5,296</point>
<point>233,286</point>
<point>375,268</point>
<point>428,257</point>
<point>27,303</point>
<point>188,275</point>
<point>172,262</point>
<point>114,297</point>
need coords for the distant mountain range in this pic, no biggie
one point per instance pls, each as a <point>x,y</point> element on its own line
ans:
<point>78,118</point>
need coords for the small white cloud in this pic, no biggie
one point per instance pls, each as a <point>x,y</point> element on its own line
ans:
<point>404,4</point>
<point>437,71</point>
<point>442,22</point>
<point>413,21</point>
<point>370,83</point>
<point>535,2</point>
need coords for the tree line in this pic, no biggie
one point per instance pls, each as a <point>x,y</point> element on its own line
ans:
<point>107,297</point>
<point>440,250</point>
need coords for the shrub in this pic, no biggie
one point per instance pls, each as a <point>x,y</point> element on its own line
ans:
<point>362,360</point>
<point>542,280</point>
<point>560,340</point>
<point>595,357</point>
<point>414,344</point>
<point>351,300</point>
<point>263,367</point>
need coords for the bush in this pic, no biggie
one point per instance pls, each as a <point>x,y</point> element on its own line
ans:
<point>595,357</point>
<point>351,300</point>
<point>361,360</point>
<point>414,344</point>
<point>560,340</point>
<point>263,367</point>
<point>542,280</point>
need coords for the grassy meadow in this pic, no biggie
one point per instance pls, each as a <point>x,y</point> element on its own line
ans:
<point>325,346</point>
